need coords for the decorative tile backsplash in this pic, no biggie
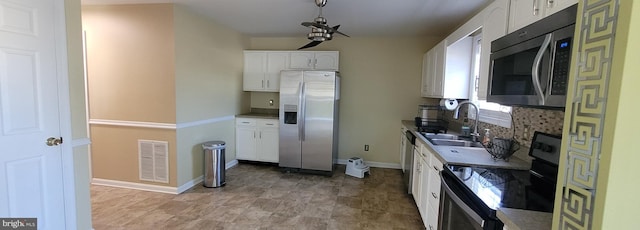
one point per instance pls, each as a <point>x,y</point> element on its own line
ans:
<point>532,119</point>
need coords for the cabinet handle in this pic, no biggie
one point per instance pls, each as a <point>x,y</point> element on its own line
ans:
<point>430,227</point>
<point>309,63</point>
<point>550,3</point>
<point>434,195</point>
<point>435,168</point>
<point>267,83</point>
<point>315,62</point>
<point>254,134</point>
<point>262,83</point>
<point>245,122</point>
<point>260,134</point>
<point>535,7</point>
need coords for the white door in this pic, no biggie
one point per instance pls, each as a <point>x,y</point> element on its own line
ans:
<point>246,143</point>
<point>326,60</point>
<point>31,184</point>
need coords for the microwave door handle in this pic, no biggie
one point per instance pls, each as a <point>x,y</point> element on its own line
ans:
<point>535,69</point>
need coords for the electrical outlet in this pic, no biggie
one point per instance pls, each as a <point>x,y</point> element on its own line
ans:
<point>525,132</point>
<point>366,148</point>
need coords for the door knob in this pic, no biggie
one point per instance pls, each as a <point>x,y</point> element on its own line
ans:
<point>52,141</point>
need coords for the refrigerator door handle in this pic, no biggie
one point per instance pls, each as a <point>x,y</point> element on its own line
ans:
<point>300,120</point>
<point>303,109</point>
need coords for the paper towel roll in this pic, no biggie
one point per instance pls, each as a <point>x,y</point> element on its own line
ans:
<point>449,104</point>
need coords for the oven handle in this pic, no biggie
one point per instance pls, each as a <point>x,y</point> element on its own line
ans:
<point>535,75</point>
<point>461,203</point>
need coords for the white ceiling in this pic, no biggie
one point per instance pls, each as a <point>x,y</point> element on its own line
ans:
<point>282,18</point>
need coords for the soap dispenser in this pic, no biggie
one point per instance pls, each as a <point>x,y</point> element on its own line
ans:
<point>486,140</point>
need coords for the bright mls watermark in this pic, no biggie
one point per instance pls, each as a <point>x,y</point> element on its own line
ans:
<point>19,223</point>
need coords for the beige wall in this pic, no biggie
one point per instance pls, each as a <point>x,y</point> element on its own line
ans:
<point>130,55</point>
<point>380,86</point>
<point>208,79</point>
<point>261,100</point>
<point>190,159</point>
<point>130,62</point>
<point>115,152</point>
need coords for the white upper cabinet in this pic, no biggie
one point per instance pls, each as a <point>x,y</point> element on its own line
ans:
<point>494,26</point>
<point>262,70</point>
<point>446,70</point>
<point>525,12</point>
<point>316,60</point>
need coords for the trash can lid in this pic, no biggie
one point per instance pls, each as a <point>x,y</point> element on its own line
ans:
<point>213,145</point>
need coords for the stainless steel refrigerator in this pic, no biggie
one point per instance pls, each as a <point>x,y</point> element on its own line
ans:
<point>309,119</point>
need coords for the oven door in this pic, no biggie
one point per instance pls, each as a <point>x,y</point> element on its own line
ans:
<point>459,210</point>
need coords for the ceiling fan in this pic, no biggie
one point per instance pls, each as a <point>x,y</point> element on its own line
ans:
<point>320,31</point>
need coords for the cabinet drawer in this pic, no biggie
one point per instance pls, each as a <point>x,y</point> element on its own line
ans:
<point>268,122</point>
<point>245,122</point>
<point>434,189</point>
<point>436,163</point>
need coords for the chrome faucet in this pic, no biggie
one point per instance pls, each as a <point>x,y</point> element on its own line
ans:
<point>475,135</point>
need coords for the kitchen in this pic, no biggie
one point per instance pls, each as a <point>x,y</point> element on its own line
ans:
<point>359,121</point>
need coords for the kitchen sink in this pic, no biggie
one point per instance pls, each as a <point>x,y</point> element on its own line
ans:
<point>440,136</point>
<point>461,143</point>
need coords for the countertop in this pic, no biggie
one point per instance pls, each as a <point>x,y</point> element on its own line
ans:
<point>258,115</point>
<point>516,219</point>
<point>470,156</point>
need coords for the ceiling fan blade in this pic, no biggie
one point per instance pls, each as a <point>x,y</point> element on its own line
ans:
<point>335,29</point>
<point>311,44</point>
<point>308,24</point>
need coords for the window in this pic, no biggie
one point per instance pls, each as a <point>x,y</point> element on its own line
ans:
<point>491,113</point>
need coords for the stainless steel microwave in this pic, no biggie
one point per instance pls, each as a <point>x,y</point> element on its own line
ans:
<point>530,67</point>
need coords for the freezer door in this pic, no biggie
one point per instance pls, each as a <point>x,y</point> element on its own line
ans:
<point>290,119</point>
<point>318,125</point>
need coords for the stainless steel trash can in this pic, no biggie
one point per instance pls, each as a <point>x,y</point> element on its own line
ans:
<point>214,164</point>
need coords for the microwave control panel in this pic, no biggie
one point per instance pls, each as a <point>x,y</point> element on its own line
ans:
<point>561,63</point>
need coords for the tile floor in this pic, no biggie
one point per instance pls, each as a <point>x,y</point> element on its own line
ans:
<point>262,197</point>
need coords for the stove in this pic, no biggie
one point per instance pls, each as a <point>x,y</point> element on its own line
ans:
<point>485,189</point>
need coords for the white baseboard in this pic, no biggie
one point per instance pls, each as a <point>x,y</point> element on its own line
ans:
<point>374,164</point>
<point>190,184</point>
<point>156,188</point>
<point>132,185</point>
<point>231,164</point>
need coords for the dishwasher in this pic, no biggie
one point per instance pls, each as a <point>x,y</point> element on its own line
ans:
<point>407,172</point>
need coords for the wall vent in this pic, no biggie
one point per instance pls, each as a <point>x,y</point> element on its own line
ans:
<point>153,158</point>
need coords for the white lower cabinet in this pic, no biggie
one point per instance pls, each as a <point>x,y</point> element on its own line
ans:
<point>426,184</point>
<point>257,139</point>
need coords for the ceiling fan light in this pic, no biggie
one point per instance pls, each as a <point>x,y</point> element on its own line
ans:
<point>318,30</point>
<point>320,20</point>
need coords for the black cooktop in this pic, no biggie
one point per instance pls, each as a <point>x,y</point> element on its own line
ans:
<point>506,188</point>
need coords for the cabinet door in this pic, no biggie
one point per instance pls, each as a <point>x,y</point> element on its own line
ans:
<point>415,184</point>
<point>327,60</point>
<point>455,81</point>
<point>403,145</point>
<point>427,71</point>
<point>276,62</point>
<point>432,219</point>
<point>553,6</point>
<point>424,183</point>
<point>246,143</point>
<point>439,67</point>
<point>524,12</point>
<point>255,64</point>
<point>268,149</point>
<point>494,26</point>
<point>301,60</point>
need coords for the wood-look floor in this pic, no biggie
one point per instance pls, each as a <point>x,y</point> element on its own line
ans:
<point>262,197</point>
